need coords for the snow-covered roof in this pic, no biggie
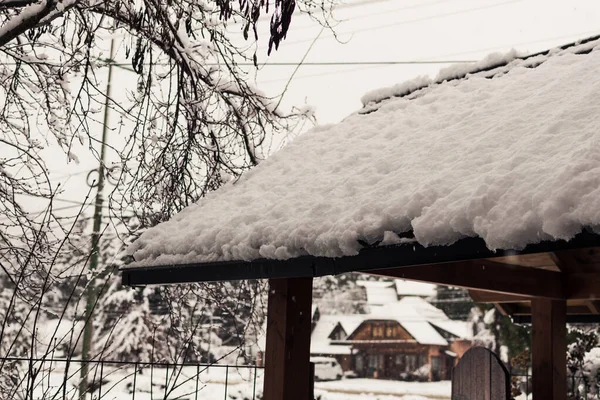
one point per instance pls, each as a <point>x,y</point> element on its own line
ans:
<point>418,317</point>
<point>508,155</point>
<point>461,329</point>
<point>411,308</point>
<point>423,332</point>
<point>383,292</point>
<point>319,339</point>
<point>350,322</point>
<point>379,293</point>
<point>414,314</point>
<point>412,288</point>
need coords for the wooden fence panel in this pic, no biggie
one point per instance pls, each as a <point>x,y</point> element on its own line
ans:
<point>480,375</point>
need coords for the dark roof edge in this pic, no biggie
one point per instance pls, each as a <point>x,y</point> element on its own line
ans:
<point>570,319</point>
<point>367,259</point>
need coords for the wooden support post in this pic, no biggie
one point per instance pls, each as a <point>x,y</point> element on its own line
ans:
<point>287,369</point>
<point>549,349</point>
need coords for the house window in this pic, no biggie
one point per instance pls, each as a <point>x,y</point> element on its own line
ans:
<point>358,363</point>
<point>436,368</point>
<point>401,362</point>
<point>411,362</point>
<point>373,361</point>
<point>389,331</point>
<point>378,331</point>
<point>338,335</point>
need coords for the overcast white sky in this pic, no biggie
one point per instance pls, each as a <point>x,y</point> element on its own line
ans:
<point>384,31</point>
<point>414,30</point>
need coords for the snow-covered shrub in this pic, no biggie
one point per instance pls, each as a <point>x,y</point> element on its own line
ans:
<point>583,359</point>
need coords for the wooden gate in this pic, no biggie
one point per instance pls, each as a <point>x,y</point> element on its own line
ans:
<point>480,375</point>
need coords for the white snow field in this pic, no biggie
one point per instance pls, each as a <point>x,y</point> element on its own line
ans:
<point>379,387</point>
<point>512,159</point>
<point>160,383</point>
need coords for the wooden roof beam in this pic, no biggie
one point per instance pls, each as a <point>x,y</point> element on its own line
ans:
<point>583,286</point>
<point>520,283</point>
<point>594,306</point>
<point>487,276</point>
<point>481,296</point>
<point>506,309</point>
<point>576,260</point>
<point>583,278</point>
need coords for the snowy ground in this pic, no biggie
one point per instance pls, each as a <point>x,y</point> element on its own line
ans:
<point>242,384</point>
<point>383,389</point>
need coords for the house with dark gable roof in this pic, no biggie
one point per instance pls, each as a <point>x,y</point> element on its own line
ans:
<point>408,339</point>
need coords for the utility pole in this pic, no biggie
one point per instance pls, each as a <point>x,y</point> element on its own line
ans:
<point>90,292</point>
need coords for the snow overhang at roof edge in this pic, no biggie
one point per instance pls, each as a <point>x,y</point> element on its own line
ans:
<point>372,258</point>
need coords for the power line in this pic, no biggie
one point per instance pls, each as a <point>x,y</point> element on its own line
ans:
<point>403,8</point>
<point>445,55</point>
<point>57,178</point>
<point>336,72</point>
<point>320,63</point>
<point>410,21</point>
<point>311,25</point>
<point>267,17</point>
<point>338,63</point>
<point>74,204</point>
<point>381,63</point>
<point>543,40</point>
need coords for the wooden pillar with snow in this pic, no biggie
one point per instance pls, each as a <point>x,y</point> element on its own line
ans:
<point>287,366</point>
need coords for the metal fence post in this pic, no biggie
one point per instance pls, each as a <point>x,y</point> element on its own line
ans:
<point>311,382</point>
<point>254,388</point>
<point>226,379</point>
<point>197,378</point>
<point>134,380</point>
<point>65,379</point>
<point>101,377</point>
<point>151,380</point>
<point>166,380</point>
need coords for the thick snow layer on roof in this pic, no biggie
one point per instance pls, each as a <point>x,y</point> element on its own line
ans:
<point>424,333</point>
<point>379,293</point>
<point>454,71</point>
<point>461,329</point>
<point>491,61</point>
<point>412,288</point>
<point>513,160</point>
<point>350,322</point>
<point>397,90</point>
<point>319,339</point>
<point>411,308</point>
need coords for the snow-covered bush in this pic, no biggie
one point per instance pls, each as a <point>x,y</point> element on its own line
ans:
<point>591,371</point>
<point>583,362</point>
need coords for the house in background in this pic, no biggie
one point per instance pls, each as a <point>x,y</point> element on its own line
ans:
<point>406,339</point>
<point>384,292</point>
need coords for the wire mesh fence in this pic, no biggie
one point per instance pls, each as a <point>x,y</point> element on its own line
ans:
<point>579,387</point>
<point>51,378</point>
